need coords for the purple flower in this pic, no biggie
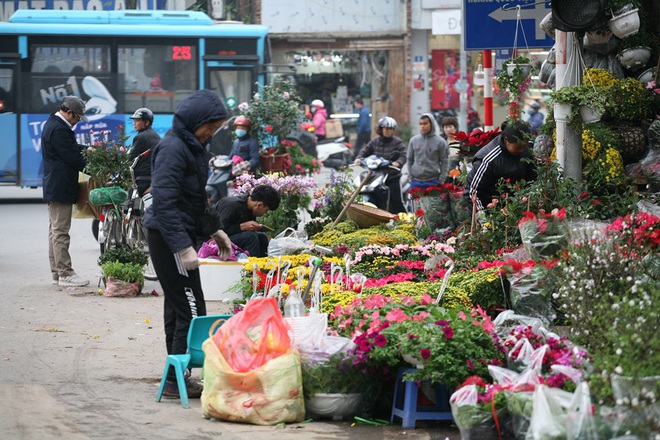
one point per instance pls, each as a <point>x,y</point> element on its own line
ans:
<point>411,336</point>
<point>425,353</point>
<point>442,323</point>
<point>448,331</point>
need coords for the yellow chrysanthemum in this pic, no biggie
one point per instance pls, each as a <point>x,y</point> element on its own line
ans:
<point>598,78</point>
<point>590,146</point>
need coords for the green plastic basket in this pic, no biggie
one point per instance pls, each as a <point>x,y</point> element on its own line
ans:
<point>107,196</point>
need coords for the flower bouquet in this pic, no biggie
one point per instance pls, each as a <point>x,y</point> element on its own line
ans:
<point>543,236</point>
<point>527,281</point>
<point>108,160</point>
<point>472,142</point>
<point>480,410</point>
<point>438,205</point>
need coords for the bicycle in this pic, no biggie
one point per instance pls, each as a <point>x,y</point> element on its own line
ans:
<point>134,234</point>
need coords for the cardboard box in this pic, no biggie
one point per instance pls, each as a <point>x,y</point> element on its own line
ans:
<point>333,128</point>
<point>218,277</point>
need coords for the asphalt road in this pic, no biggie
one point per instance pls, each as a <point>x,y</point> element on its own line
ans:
<point>77,365</point>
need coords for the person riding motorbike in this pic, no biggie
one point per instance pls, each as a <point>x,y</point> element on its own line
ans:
<point>245,150</point>
<point>144,140</point>
<point>391,148</point>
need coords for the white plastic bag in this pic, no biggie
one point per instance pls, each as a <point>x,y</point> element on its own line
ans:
<point>549,417</point>
<point>288,242</point>
<point>581,421</point>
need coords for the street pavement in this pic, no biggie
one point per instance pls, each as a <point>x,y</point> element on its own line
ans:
<point>77,365</point>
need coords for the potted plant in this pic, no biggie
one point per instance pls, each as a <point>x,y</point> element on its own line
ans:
<point>275,108</point>
<point>108,160</point>
<point>335,388</point>
<point>635,51</point>
<point>123,271</point>
<point>572,99</point>
<point>513,81</point>
<point>625,17</point>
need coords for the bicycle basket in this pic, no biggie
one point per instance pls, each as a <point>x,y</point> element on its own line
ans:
<point>107,196</point>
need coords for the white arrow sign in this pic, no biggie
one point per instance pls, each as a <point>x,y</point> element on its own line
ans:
<point>537,14</point>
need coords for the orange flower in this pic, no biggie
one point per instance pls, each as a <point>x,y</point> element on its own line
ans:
<point>454,173</point>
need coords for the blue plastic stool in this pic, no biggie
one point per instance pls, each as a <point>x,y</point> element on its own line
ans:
<point>405,405</point>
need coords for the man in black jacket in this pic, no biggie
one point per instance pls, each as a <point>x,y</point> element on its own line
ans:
<point>239,215</point>
<point>145,139</point>
<point>179,172</point>
<point>62,161</point>
<point>505,157</point>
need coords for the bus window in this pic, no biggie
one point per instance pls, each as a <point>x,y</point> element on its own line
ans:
<point>70,59</point>
<point>228,84</point>
<point>157,76</point>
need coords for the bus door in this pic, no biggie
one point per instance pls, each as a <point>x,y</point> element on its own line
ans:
<point>9,145</point>
<point>234,85</point>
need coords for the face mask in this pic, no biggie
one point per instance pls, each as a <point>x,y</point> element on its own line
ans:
<point>240,132</point>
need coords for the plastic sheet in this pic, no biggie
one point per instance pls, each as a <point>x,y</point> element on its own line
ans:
<point>288,242</point>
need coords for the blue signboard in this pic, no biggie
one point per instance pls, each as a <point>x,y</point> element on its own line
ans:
<point>489,26</point>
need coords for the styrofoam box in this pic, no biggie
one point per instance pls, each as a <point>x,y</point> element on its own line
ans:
<point>218,277</point>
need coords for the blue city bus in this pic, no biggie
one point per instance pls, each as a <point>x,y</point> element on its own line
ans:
<point>117,62</point>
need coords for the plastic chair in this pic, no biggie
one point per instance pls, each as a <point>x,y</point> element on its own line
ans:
<point>405,404</point>
<point>198,332</point>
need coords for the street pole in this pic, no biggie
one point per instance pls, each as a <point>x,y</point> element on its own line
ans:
<point>463,95</point>
<point>488,90</point>
<point>568,73</point>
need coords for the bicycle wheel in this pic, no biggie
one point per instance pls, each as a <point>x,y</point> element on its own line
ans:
<point>112,231</point>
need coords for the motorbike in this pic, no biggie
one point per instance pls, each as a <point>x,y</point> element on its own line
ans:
<point>216,184</point>
<point>371,182</point>
<point>333,153</point>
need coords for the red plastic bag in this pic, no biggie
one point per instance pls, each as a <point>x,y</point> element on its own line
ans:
<point>254,335</point>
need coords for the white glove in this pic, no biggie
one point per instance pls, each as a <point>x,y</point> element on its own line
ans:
<point>189,258</point>
<point>223,242</point>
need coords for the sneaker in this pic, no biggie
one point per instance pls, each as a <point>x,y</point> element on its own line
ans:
<point>73,281</point>
<point>171,390</point>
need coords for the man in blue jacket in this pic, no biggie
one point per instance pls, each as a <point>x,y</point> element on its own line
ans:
<point>363,125</point>
<point>174,220</point>
<point>505,157</point>
<point>62,161</point>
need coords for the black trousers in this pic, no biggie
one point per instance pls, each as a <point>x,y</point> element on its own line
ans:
<point>183,295</point>
<point>256,243</point>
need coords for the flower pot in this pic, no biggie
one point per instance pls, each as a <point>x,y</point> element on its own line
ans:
<point>563,112</point>
<point>625,24</point>
<point>546,71</point>
<point>335,406</point>
<point>526,69</point>
<point>589,114</point>
<point>417,363</point>
<point>593,38</point>
<point>647,75</point>
<point>634,58</point>
<point>547,26</point>
<point>273,163</point>
<point>634,145</point>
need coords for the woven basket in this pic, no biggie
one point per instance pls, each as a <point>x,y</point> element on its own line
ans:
<point>367,216</point>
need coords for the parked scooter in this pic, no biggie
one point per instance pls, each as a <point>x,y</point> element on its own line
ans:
<point>216,184</point>
<point>371,182</point>
<point>334,153</point>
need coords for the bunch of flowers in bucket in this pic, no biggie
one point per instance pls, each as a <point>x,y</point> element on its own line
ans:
<point>545,234</point>
<point>438,206</point>
<point>108,160</point>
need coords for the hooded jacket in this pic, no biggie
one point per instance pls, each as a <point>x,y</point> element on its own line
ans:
<point>428,155</point>
<point>248,149</point>
<point>179,169</point>
<point>492,163</point>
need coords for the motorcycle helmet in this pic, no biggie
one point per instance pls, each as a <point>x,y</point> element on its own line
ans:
<point>318,103</point>
<point>242,120</point>
<point>143,113</point>
<point>386,122</point>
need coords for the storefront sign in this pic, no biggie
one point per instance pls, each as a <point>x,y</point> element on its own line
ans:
<point>444,74</point>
